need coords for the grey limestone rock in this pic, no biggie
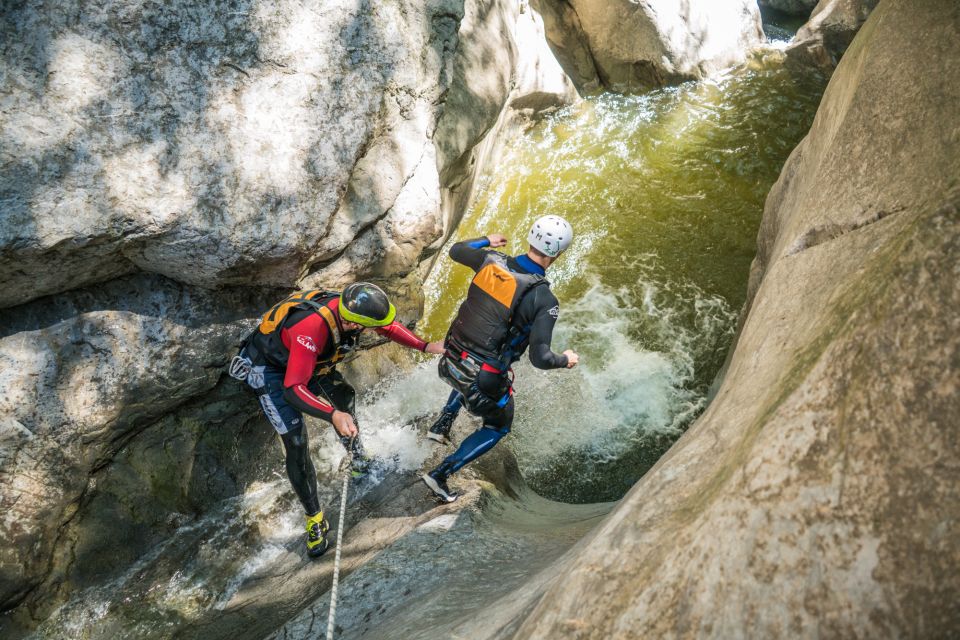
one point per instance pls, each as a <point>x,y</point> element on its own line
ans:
<point>829,31</point>
<point>167,172</point>
<point>81,374</point>
<point>223,143</point>
<point>636,46</point>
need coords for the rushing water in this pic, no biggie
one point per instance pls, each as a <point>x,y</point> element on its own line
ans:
<point>665,193</point>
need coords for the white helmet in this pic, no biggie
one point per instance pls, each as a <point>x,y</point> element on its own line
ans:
<point>550,235</point>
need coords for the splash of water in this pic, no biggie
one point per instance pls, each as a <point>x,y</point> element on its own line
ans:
<point>665,193</point>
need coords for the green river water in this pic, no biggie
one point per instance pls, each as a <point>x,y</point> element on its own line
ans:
<point>665,192</point>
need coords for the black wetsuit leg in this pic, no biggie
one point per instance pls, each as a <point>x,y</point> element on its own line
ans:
<point>300,469</point>
<point>288,422</point>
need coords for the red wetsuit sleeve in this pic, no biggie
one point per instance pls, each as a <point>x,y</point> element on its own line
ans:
<point>401,335</point>
<point>304,341</point>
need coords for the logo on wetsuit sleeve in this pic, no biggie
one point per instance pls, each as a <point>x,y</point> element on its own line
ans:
<point>307,342</point>
<point>555,312</point>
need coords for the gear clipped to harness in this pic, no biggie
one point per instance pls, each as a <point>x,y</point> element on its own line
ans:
<point>240,367</point>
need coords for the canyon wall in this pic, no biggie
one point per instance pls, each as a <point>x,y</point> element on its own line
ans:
<point>829,31</point>
<point>168,172</point>
<point>637,46</point>
<point>819,494</point>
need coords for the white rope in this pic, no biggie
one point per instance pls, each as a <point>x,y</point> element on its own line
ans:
<point>336,560</point>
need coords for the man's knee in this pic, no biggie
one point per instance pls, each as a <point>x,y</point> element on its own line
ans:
<point>501,419</point>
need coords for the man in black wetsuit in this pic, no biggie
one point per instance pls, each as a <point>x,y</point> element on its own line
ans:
<point>509,308</point>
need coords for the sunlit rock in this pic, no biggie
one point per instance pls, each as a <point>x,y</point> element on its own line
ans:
<point>211,144</point>
<point>569,43</point>
<point>819,494</point>
<point>830,30</point>
<point>152,151</point>
<point>641,45</point>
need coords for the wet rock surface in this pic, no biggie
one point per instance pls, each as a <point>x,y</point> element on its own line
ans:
<point>151,151</point>
<point>450,561</point>
<point>83,374</point>
<point>819,494</point>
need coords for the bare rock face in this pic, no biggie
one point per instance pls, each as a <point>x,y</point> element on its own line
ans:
<point>81,373</point>
<point>237,142</point>
<point>640,45</point>
<point>155,156</point>
<point>485,100</point>
<point>569,43</point>
<point>830,30</point>
<point>819,495</point>
<point>793,7</point>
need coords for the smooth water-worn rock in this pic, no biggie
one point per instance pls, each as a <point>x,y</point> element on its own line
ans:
<point>455,558</point>
<point>819,495</point>
<point>151,152</point>
<point>485,101</point>
<point>640,45</point>
<point>81,374</point>
<point>227,143</point>
<point>830,30</point>
<point>569,43</point>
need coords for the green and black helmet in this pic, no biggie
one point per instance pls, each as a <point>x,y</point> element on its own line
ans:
<point>367,305</point>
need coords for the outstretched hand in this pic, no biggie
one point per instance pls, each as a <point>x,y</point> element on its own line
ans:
<point>497,239</point>
<point>343,424</point>
<point>572,358</point>
<point>434,347</point>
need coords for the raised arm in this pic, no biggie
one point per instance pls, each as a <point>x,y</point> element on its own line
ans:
<point>472,252</point>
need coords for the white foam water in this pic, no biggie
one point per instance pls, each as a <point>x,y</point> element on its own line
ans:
<point>621,392</point>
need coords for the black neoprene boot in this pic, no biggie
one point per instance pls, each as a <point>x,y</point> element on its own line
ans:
<point>436,480</point>
<point>440,431</point>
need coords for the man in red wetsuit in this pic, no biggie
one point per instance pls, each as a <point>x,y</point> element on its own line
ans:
<point>293,356</point>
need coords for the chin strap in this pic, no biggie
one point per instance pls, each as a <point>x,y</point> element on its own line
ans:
<point>345,467</point>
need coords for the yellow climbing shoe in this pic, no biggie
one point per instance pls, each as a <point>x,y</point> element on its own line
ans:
<point>317,542</point>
